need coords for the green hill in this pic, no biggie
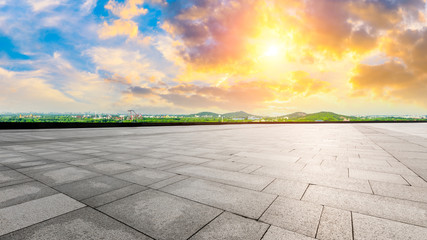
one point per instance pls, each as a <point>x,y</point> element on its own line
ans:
<point>240,114</point>
<point>204,114</point>
<point>320,116</point>
<point>295,115</point>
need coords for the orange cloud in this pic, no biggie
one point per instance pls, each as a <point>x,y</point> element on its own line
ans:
<point>123,26</point>
<point>127,10</point>
<point>119,27</point>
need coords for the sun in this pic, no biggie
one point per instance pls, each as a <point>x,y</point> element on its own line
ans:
<point>272,51</point>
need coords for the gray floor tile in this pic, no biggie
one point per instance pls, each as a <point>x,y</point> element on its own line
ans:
<point>294,215</point>
<point>82,224</point>
<point>63,175</point>
<point>287,188</point>
<point>231,227</point>
<point>276,233</point>
<point>145,176</point>
<point>91,187</point>
<point>330,181</point>
<point>25,214</point>
<point>335,224</point>
<point>150,162</point>
<point>225,165</point>
<point>377,176</point>
<point>390,208</point>
<point>400,191</point>
<point>161,215</point>
<point>237,200</point>
<point>367,227</point>
<point>110,167</point>
<point>227,177</point>
<point>11,175</point>
<point>24,192</point>
<point>114,195</point>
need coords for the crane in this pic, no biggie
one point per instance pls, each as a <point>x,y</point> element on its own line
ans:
<point>132,114</point>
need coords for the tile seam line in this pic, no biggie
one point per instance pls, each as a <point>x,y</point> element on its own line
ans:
<point>121,222</point>
<point>262,214</point>
<point>223,211</point>
<point>391,153</point>
<point>320,219</point>
<point>205,204</point>
<point>268,228</point>
<point>43,220</point>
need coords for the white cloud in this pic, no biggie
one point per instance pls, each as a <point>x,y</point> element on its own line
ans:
<point>26,91</point>
<point>130,64</point>
<point>88,6</point>
<point>41,5</point>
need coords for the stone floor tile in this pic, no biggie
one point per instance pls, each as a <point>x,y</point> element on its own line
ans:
<point>377,176</point>
<point>343,183</point>
<point>399,191</point>
<point>25,214</point>
<point>91,187</point>
<point>268,156</point>
<point>229,226</point>
<point>287,188</point>
<point>335,224</point>
<point>187,159</point>
<point>167,182</point>
<point>390,208</point>
<point>225,165</point>
<point>41,168</point>
<point>370,161</point>
<point>150,162</point>
<point>29,163</point>
<point>145,176</point>
<point>82,224</point>
<point>20,193</point>
<point>415,181</point>
<point>88,161</point>
<point>161,215</point>
<point>63,175</point>
<point>110,167</point>
<point>227,177</point>
<point>4,168</point>
<point>294,215</point>
<point>326,171</point>
<point>250,168</point>
<point>368,227</point>
<point>291,165</point>
<point>276,233</point>
<point>114,195</point>
<point>233,199</point>
<point>11,175</point>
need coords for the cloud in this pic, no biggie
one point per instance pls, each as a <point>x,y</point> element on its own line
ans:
<point>119,27</point>
<point>246,94</point>
<point>139,91</point>
<point>404,77</point>
<point>88,6</point>
<point>124,25</point>
<point>127,10</point>
<point>214,33</point>
<point>41,5</point>
<point>27,91</point>
<point>128,65</point>
<point>391,81</point>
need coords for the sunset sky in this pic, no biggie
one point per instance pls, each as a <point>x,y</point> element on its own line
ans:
<point>268,57</point>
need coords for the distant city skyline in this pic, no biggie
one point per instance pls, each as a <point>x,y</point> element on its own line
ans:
<point>264,57</point>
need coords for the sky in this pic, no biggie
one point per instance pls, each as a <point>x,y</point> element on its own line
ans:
<point>269,57</point>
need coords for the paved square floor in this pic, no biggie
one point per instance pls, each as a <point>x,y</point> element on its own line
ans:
<point>251,182</point>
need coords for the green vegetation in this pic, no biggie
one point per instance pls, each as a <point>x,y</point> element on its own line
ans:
<point>198,117</point>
